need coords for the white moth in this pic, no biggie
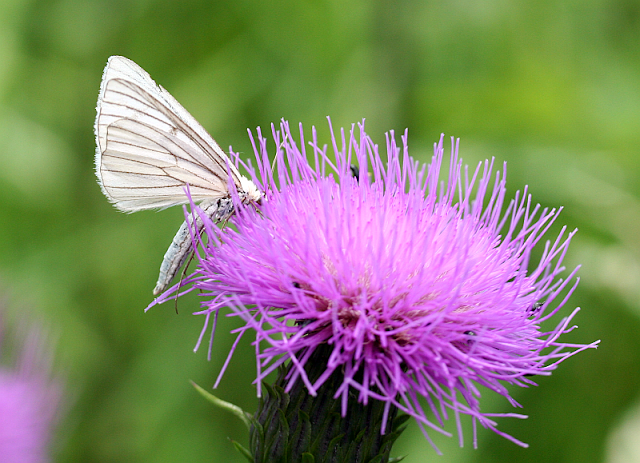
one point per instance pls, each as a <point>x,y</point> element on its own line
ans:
<point>149,147</point>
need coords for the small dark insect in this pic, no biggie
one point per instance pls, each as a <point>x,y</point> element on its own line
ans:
<point>355,171</point>
<point>296,284</point>
<point>471,335</point>
<point>535,308</point>
<point>302,322</point>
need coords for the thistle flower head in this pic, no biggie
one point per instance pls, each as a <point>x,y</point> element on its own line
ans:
<point>29,401</point>
<point>422,289</point>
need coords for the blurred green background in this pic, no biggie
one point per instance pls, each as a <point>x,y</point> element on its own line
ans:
<point>551,87</point>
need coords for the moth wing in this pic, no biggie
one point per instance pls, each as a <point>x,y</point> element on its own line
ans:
<point>149,146</point>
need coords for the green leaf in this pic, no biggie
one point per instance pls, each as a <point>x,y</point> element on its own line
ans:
<point>397,459</point>
<point>244,452</point>
<point>233,409</point>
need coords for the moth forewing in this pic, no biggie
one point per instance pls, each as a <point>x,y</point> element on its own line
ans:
<point>149,148</point>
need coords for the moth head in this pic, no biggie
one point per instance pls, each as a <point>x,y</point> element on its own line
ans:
<point>251,192</point>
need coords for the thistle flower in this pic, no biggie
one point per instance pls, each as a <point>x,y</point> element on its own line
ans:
<point>29,401</point>
<point>416,291</point>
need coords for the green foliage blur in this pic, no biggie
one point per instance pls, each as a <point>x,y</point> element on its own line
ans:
<point>553,88</point>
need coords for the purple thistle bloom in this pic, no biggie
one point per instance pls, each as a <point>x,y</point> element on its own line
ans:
<point>422,289</point>
<point>29,402</point>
